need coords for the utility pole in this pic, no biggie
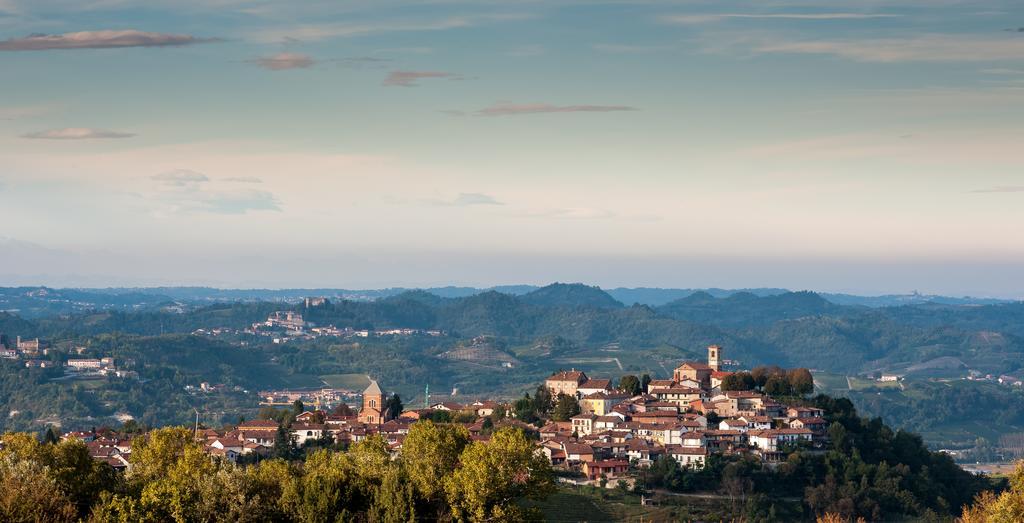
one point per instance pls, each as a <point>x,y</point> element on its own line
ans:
<point>195,433</point>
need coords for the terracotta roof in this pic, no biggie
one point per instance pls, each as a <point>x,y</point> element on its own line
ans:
<point>568,375</point>
<point>373,389</point>
<point>258,424</point>
<point>577,448</point>
<point>596,384</point>
<point>696,365</point>
<point>694,451</point>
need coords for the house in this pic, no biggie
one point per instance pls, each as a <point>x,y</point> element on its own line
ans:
<point>680,396</point>
<point>311,416</point>
<point>815,424</point>
<point>484,408</point>
<point>659,384</point>
<point>692,457</point>
<point>736,403</point>
<point>593,386</point>
<point>695,371</point>
<point>733,424</point>
<point>263,432</point>
<point>609,468</point>
<point>302,433</point>
<point>717,377</point>
<point>600,403</point>
<point>757,422</point>
<point>773,440</point>
<point>554,429</point>
<point>449,406</point>
<point>583,424</point>
<point>565,382</point>
<point>805,412</point>
<point>578,452</point>
<point>85,363</point>
<point>227,444</point>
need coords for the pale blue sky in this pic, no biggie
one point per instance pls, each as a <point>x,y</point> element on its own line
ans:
<point>869,146</point>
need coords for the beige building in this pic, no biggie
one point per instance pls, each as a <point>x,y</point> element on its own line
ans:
<point>601,403</point>
<point>565,382</point>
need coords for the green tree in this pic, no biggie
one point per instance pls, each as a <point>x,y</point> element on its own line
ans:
<point>800,381</point>
<point>29,493</point>
<point>738,381</point>
<point>393,406</point>
<point>494,476</point>
<point>431,453</point>
<point>393,501</point>
<point>645,380</point>
<point>542,401</point>
<point>777,386</point>
<point>51,436</point>
<point>630,384</point>
<point>284,445</point>
<point>154,454</point>
<point>566,407</point>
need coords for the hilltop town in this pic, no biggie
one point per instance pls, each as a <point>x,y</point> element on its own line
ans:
<point>592,428</point>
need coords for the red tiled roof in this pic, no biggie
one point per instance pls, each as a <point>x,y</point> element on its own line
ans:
<point>567,375</point>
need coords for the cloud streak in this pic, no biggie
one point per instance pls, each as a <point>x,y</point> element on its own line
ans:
<point>411,78</point>
<point>318,32</point>
<point>1001,189</point>
<point>76,133</point>
<point>924,48</point>
<point>99,40</point>
<point>284,61</point>
<point>465,199</point>
<point>718,17</point>
<point>186,191</point>
<point>180,178</point>
<point>515,109</point>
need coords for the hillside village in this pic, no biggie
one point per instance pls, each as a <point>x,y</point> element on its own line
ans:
<point>590,429</point>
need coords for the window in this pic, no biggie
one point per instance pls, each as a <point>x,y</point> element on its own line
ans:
<point>373,404</point>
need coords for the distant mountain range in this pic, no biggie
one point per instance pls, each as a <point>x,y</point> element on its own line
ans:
<point>43,301</point>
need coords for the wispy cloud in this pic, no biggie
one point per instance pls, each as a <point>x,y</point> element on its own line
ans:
<point>243,179</point>
<point>466,199</point>
<point>513,109</point>
<point>411,78</point>
<point>1003,71</point>
<point>717,17</point>
<point>186,191</point>
<point>76,133</point>
<point>317,32</point>
<point>924,48</point>
<point>27,111</point>
<point>1001,189</point>
<point>284,61</point>
<point>180,177</point>
<point>628,48</point>
<point>99,40</point>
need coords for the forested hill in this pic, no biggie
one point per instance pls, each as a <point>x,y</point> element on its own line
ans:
<point>794,329</point>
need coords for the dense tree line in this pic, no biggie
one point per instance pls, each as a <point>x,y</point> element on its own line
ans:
<point>773,380</point>
<point>440,474</point>
<point>868,471</point>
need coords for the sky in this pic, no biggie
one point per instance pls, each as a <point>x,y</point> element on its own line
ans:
<point>862,146</point>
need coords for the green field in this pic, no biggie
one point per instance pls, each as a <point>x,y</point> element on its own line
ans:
<point>356,382</point>
<point>861,384</point>
<point>827,382</point>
